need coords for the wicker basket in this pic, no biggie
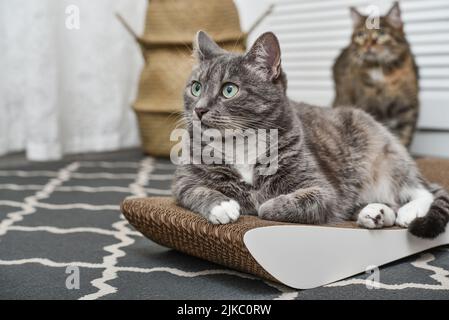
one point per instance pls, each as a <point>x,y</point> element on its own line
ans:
<point>167,48</point>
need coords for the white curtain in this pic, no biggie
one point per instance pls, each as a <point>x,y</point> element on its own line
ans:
<point>63,89</point>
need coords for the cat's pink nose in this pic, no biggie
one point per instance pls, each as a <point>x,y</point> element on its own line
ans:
<point>200,112</point>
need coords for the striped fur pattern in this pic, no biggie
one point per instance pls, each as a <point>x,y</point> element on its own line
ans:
<point>436,219</point>
<point>333,164</point>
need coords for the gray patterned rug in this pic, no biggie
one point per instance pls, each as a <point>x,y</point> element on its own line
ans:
<point>62,237</point>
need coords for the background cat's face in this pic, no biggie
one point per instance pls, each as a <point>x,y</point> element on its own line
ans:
<point>382,45</point>
<point>229,91</point>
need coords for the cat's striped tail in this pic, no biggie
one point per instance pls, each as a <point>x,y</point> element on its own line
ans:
<point>435,221</point>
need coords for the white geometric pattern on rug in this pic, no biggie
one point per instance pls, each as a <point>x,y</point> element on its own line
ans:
<point>121,231</point>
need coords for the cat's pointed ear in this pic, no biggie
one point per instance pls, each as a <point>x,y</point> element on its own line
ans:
<point>394,16</point>
<point>206,48</point>
<point>265,56</point>
<point>356,17</point>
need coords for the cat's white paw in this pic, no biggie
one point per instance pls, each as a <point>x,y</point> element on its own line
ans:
<point>376,215</point>
<point>225,212</point>
<point>409,212</point>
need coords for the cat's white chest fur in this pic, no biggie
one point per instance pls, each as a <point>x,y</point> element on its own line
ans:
<point>246,171</point>
<point>245,167</point>
<point>376,74</point>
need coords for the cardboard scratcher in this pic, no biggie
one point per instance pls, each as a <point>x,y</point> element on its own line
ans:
<point>300,256</point>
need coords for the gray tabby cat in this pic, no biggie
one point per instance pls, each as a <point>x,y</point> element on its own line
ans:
<point>334,164</point>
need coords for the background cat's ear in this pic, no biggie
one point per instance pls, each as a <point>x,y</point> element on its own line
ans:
<point>206,48</point>
<point>265,56</point>
<point>394,16</point>
<point>356,16</point>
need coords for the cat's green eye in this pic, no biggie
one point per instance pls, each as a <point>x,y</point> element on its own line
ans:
<point>359,37</point>
<point>383,36</point>
<point>230,90</point>
<point>196,88</point>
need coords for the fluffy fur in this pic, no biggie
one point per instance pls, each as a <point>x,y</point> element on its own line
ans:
<point>333,163</point>
<point>377,73</point>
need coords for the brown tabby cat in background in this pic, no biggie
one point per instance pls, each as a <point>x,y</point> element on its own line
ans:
<point>377,73</point>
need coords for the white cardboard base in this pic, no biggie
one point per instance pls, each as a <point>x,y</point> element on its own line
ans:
<point>305,257</point>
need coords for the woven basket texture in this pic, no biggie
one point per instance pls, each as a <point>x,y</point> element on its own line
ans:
<point>167,48</point>
<point>161,220</point>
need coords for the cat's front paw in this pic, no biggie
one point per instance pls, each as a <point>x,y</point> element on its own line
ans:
<point>225,212</point>
<point>375,216</point>
<point>408,213</point>
<point>277,209</point>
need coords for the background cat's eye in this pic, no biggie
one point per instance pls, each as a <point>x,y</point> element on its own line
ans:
<point>360,37</point>
<point>230,90</point>
<point>196,88</point>
<point>383,36</point>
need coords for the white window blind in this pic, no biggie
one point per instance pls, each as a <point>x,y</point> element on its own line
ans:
<point>312,33</point>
